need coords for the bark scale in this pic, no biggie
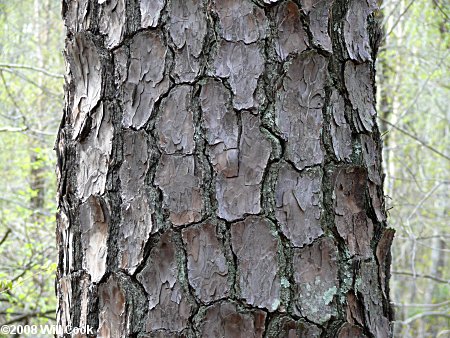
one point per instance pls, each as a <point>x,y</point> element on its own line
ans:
<point>220,170</point>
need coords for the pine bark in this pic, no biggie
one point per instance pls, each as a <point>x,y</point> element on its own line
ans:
<point>219,170</point>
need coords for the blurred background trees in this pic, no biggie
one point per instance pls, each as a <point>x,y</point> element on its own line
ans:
<point>413,109</point>
<point>413,90</point>
<point>31,100</point>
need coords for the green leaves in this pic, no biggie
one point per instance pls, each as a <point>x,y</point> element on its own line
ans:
<point>5,285</point>
<point>413,104</point>
<point>31,103</point>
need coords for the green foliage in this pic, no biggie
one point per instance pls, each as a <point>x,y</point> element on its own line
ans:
<point>413,104</point>
<point>30,108</point>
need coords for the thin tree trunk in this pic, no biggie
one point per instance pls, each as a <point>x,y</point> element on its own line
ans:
<point>37,162</point>
<point>220,170</point>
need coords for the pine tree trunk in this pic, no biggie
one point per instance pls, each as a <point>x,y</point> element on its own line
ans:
<point>220,170</point>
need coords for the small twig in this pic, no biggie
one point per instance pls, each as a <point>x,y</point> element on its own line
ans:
<point>27,79</point>
<point>422,201</point>
<point>416,138</point>
<point>438,5</point>
<point>442,333</point>
<point>425,314</point>
<point>5,236</point>
<point>399,18</point>
<point>423,305</point>
<point>13,130</point>
<point>27,316</point>
<point>436,279</point>
<point>37,69</point>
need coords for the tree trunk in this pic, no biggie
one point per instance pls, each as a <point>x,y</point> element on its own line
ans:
<point>220,170</point>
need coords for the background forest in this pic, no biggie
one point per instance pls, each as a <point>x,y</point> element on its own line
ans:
<point>413,90</point>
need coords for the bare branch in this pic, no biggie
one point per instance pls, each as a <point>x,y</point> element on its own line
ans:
<point>425,314</point>
<point>27,79</point>
<point>28,316</point>
<point>27,67</point>
<point>436,279</point>
<point>13,130</point>
<point>5,236</point>
<point>436,186</point>
<point>407,133</point>
<point>423,305</point>
<point>399,18</point>
<point>442,10</point>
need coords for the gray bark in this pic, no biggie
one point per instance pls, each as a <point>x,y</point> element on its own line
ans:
<point>219,170</point>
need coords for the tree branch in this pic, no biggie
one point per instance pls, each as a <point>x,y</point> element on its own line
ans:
<point>415,138</point>
<point>423,305</point>
<point>425,314</point>
<point>399,18</point>
<point>436,279</point>
<point>13,130</point>
<point>27,316</point>
<point>5,236</point>
<point>37,69</point>
<point>438,5</point>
